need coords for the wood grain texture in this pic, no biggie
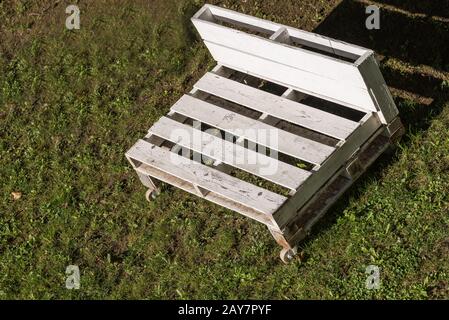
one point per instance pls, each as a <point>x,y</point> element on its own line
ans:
<point>378,89</point>
<point>279,107</point>
<point>236,17</point>
<point>232,154</point>
<point>237,124</point>
<point>244,193</point>
<point>327,170</point>
<point>275,57</point>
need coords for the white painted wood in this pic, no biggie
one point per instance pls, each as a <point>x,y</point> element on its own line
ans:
<point>237,124</point>
<point>326,44</point>
<point>299,59</point>
<point>281,35</point>
<point>248,20</point>
<point>264,27</point>
<point>286,56</point>
<point>279,107</point>
<point>310,83</point>
<point>378,89</point>
<point>221,71</point>
<point>232,154</point>
<point>371,149</point>
<point>327,170</point>
<point>147,170</point>
<point>274,59</point>
<point>210,196</point>
<point>242,209</point>
<point>208,178</point>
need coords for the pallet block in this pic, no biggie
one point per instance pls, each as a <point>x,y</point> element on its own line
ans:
<point>278,130</point>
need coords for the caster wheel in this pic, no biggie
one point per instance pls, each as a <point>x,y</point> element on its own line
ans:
<point>286,255</point>
<point>151,194</point>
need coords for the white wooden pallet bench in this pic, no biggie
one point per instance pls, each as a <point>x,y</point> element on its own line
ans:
<point>278,130</point>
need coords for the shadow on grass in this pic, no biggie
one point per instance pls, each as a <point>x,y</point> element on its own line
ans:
<point>439,8</point>
<point>416,40</point>
<point>419,47</point>
<point>190,9</point>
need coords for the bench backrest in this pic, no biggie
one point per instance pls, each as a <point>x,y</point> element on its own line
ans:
<point>316,65</point>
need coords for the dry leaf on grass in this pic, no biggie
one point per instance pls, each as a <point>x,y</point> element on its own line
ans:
<point>16,195</point>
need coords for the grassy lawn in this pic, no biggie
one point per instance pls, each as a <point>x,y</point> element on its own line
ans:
<point>73,102</point>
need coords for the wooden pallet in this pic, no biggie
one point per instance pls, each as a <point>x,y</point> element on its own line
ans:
<point>278,130</point>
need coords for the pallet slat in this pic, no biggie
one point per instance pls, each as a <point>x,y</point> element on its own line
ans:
<point>328,169</point>
<point>282,108</point>
<point>145,170</point>
<point>310,83</point>
<point>298,59</point>
<point>378,88</point>
<point>306,70</point>
<point>259,199</point>
<point>351,50</point>
<point>227,152</point>
<point>287,143</point>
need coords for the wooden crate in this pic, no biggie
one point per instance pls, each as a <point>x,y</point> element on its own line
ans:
<point>278,130</point>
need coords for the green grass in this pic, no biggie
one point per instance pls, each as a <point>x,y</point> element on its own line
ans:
<point>72,103</point>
